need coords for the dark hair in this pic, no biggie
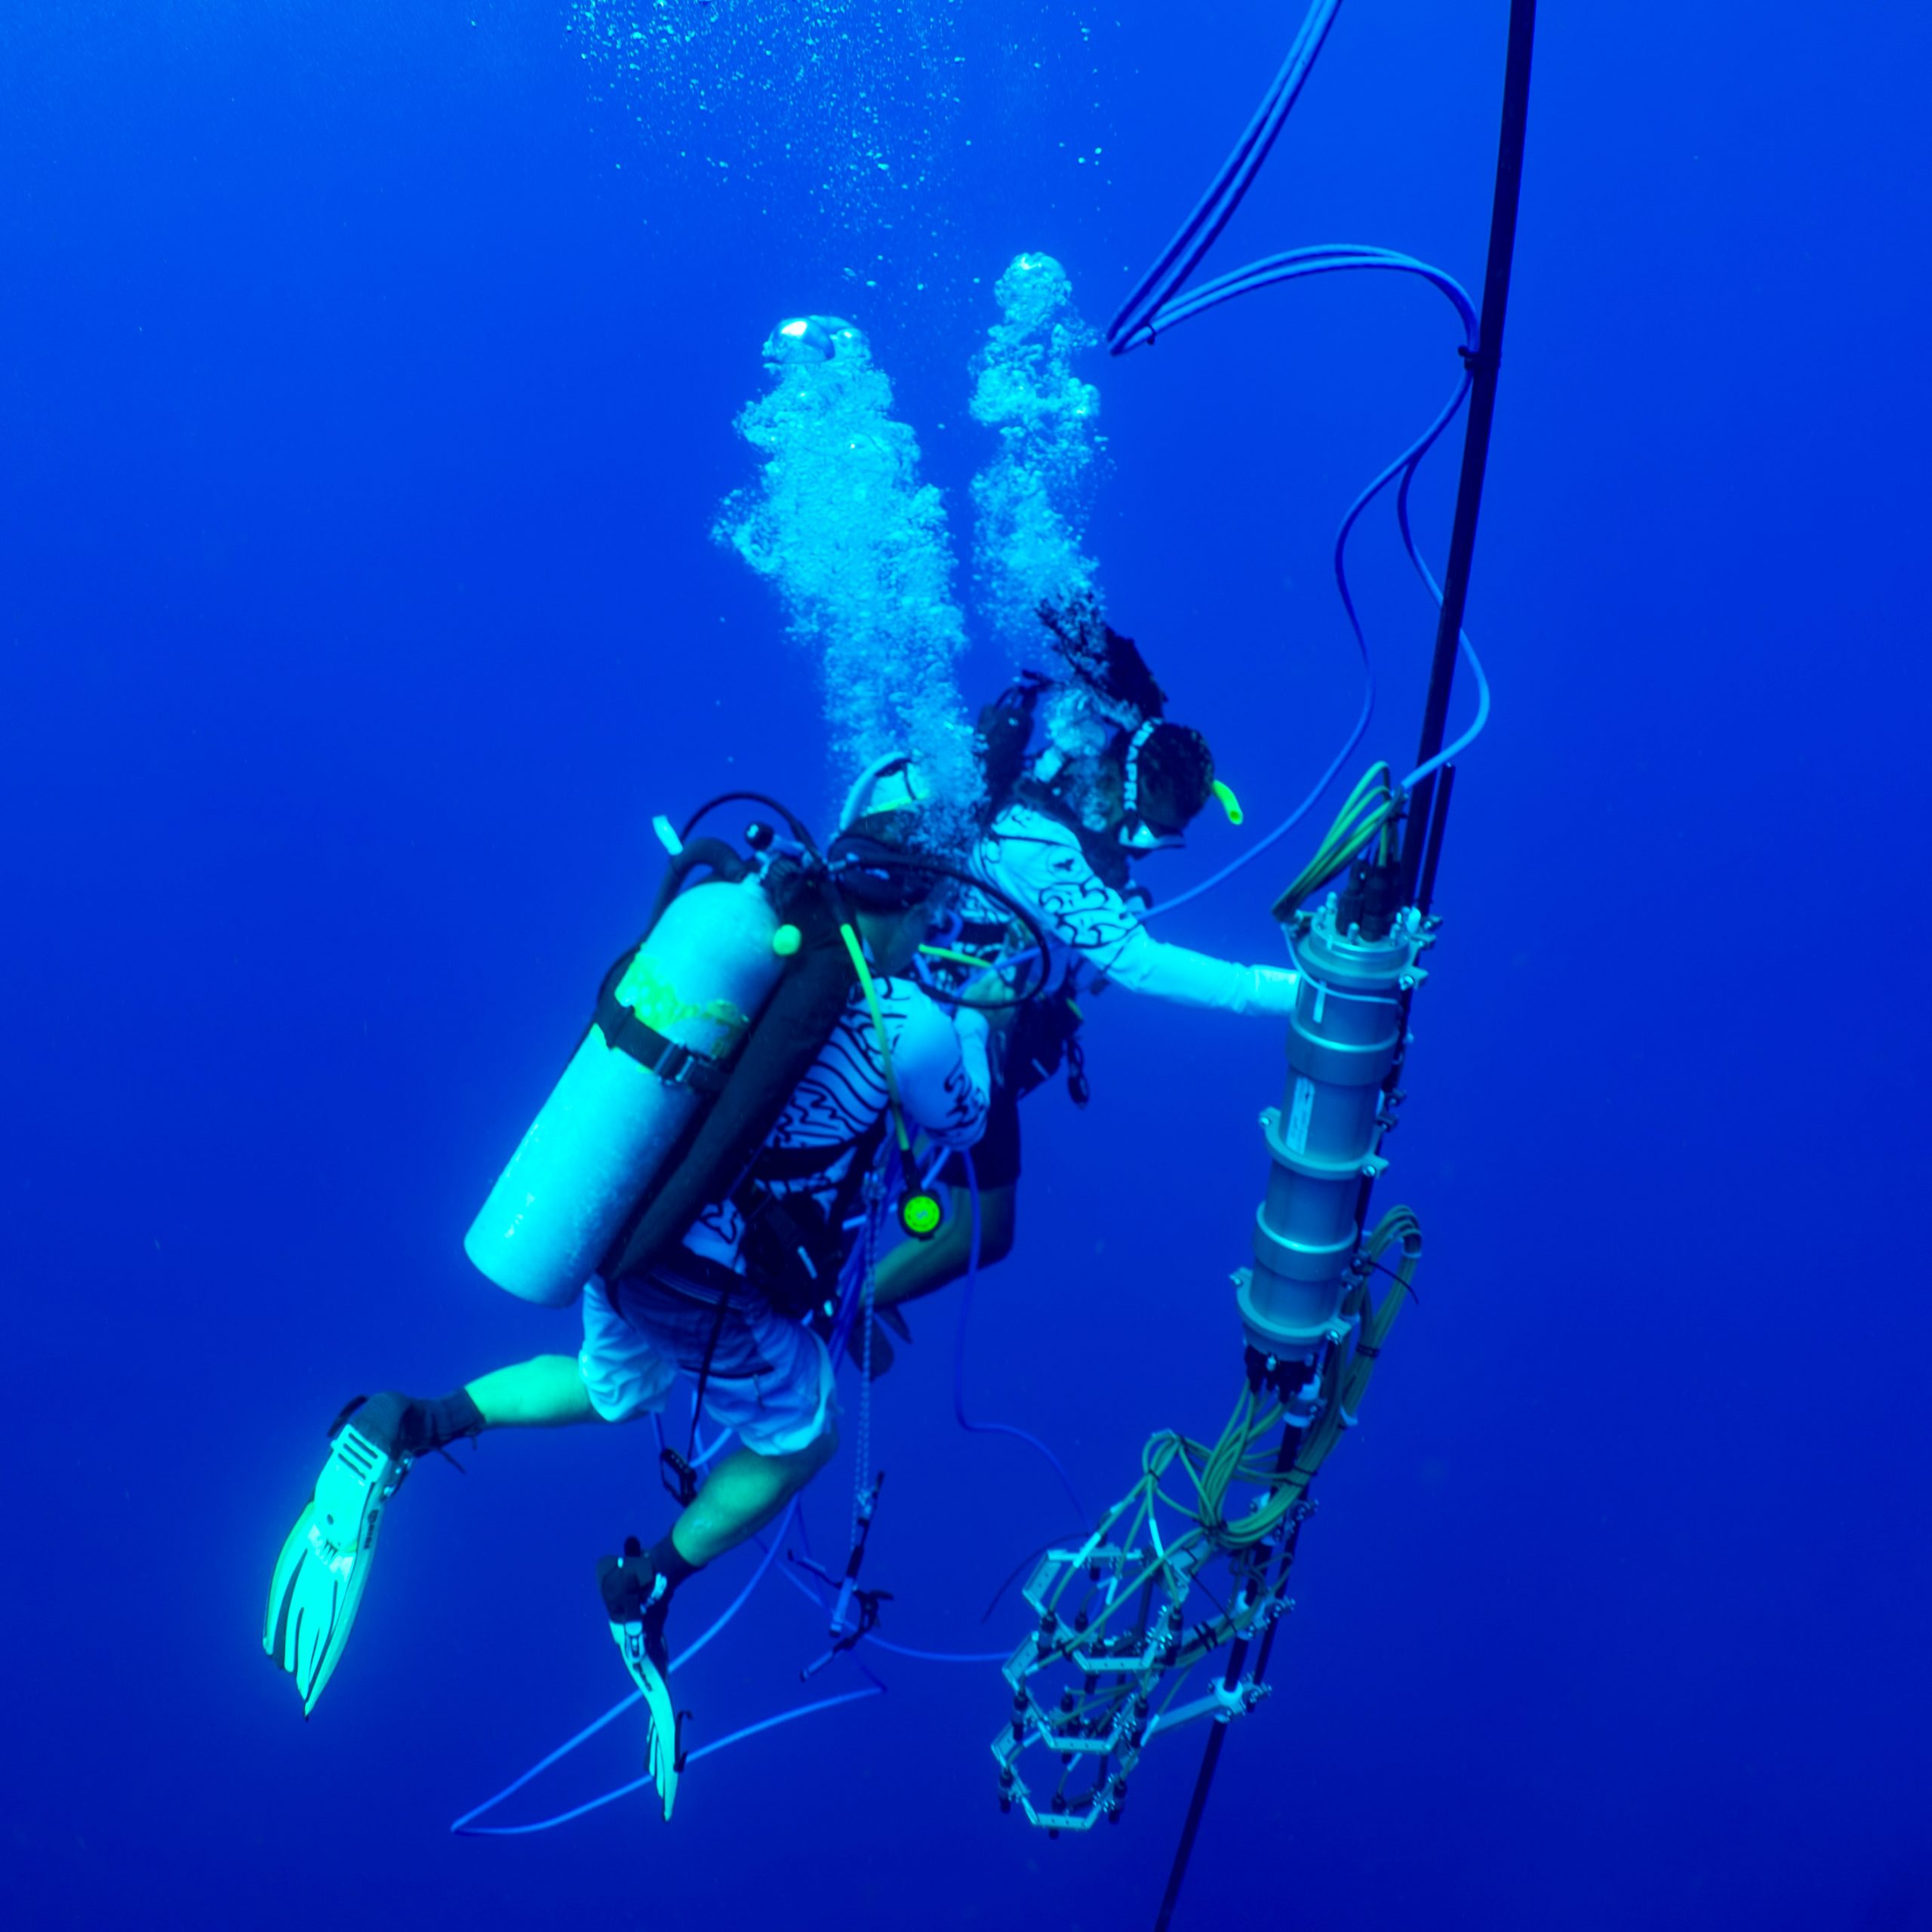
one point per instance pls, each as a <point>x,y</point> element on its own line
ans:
<point>874,867</point>
<point>1176,768</point>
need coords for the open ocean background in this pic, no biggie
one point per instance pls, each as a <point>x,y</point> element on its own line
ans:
<point>367,379</point>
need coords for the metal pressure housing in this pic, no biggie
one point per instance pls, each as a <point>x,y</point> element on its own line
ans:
<point>1350,1012</point>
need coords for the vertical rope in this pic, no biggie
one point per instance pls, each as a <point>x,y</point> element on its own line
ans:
<point>862,1470</point>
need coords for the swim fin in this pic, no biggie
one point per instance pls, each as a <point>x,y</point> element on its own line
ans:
<point>636,1600</point>
<point>324,1567</point>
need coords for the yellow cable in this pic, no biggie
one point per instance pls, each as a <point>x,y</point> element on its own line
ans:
<point>865,973</point>
<point>957,958</point>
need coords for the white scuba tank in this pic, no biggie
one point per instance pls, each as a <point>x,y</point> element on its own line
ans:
<point>697,983</point>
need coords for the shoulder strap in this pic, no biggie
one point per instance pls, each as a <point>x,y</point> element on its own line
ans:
<point>786,1039</point>
<point>1107,859</point>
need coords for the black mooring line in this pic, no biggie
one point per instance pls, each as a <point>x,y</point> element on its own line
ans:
<point>1483,366</point>
<point>1448,631</point>
<point>1211,1758</point>
<point>1431,853</point>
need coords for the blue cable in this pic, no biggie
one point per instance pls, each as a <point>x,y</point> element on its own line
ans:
<point>959,1359</point>
<point>1403,466</point>
<point>1462,643</point>
<point>701,1455</point>
<point>617,1709</point>
<point>1157,303</point>
<point>1295,818</point>
<point>542,1765</point>
<point>783,1717</point>
<point>637,1784</point>
<point>849,1281</point>
<point>1216,208</point>
<point>1318,258</point>
<point>939,1656</point>
<point>815,1592</point>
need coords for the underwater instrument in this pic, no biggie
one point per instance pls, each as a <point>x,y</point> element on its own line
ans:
<point>854,1612</point>
<point>1114,1610</point>
<point>1118,1629</point>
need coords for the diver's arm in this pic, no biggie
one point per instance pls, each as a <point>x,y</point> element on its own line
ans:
<point>1145,965</point>
<point>916,1268</point>
<point>1043,867</point>
<point>940,1061</point>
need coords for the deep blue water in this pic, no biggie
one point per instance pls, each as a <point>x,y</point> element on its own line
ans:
<point>368,380</point>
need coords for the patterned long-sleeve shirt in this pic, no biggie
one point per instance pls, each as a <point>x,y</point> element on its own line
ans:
<point>939,1063</point>
<point>1093,933</point>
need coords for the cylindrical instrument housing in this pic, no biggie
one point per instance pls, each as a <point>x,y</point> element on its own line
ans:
<point>1343,1039</point>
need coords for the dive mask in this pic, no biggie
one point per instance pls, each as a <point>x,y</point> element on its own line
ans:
<point>1140,835</point>
<point>1153,818</point>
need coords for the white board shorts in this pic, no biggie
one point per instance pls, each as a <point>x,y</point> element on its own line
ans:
<point>770,1381</point>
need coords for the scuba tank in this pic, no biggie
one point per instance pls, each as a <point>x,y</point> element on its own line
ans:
<point>699,1037</point>
<point>669,1021</point>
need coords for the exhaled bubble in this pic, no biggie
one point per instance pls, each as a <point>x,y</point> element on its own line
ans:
<point>857,548</point>
<point>1031,500</point>
<point>812,82</point>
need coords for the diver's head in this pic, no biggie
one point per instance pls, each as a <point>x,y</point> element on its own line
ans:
<point>1156,785</point>
<point>881,879</point>
<point>890,788</point>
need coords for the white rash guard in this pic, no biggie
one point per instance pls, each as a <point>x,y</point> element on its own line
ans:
<point>1093,933</point>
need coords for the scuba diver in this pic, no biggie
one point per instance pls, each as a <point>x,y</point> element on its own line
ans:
<point>1113,780</point>
<point>717,1274</point>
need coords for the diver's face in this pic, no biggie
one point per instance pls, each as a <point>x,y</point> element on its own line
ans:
<point>1110,794</point>
<point>1158,824</point>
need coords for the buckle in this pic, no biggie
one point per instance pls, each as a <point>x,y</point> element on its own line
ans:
<point>673,1063</point>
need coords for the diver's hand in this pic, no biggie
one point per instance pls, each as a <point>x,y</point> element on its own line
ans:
<point>1273,991</point>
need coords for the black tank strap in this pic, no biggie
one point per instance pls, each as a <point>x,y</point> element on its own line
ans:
<point>678,1066</point>
<point>786,1164</point>
<point>1109,860</point>
<point>722,1145</point>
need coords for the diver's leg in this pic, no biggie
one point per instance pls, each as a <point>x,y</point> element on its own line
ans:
<point>999,1217</point>
<point>324,1567</point>
<point>547,1392</point>
<point>743,1493</point>
<point>784,1405</point>
<point>786,1421</point>
<point>771,1384</point>
<point>916,1268</point>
